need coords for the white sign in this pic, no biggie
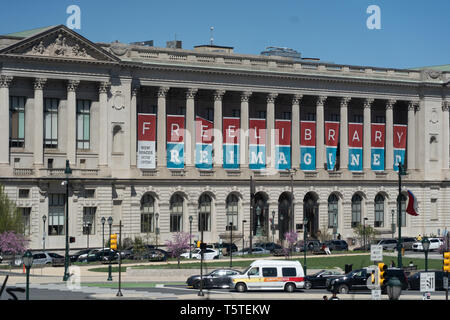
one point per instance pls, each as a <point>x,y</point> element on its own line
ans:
<point>146,155</point>
<point>376,294</point>
<point>445,282</point>
<point>427,282</point>
<point>376,253</point>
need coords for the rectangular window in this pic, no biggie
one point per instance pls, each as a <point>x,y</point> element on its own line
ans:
<point>26,216</point>
<point>204,221</point>
<point>24,193</point>
<point>56,211</point>
<point>176,222</point>
<point>379,215</point>
<point>261,115</point>
<point>358,118</point>
<point>289,272</point>
<point>51,123</point>
<point>83,124</point>
<point>209,114</point>
<point>89,220</point>
<point>232,215</point>
<point>332,215</point>
<point>269,272</point>
<point>286,115</point>
<point>310,117</point>
<point>17,122</point>
<point>89,193</point>
<point>356,214</point>
<point>236,113</point>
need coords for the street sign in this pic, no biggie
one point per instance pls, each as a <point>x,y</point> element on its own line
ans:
<point>376,294</point>
<point>427,282</point>
<point>376,253</point>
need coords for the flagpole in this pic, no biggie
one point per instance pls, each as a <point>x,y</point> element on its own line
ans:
<point>401,171</point>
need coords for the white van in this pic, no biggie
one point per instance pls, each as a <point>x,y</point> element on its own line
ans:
<point>270,275</point>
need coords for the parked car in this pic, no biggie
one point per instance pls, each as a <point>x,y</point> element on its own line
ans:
<point>255,250</point>
<point>311,245</point>
<point>57,259</point>
<point>209,254</point>
<point>83,257</point>
<point>157,255</point>
<point>219,278</point>
<point>357,280</point>
<point>435,244</point>
<point>388,244</point>
<point>414,280</point>
<point>271,246</point>
<point>74,257</point>
<point>100,255</point>
<point>226,246</point>
<point>407,242</point>
<point>319,279</point>
<point>337,245</point>
<point>41,258</point>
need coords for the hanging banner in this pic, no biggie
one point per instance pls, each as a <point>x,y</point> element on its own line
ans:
<point>355,146</point>
<point>203,143</point>
<point>175,141</point>
<point>231,132</point>
<point>331,142</point>
<point>308,145</point>
<point>378,138</point>
<point>257,144</point>
<point>400,131</point>
<point>282,144</point>
<point>146,141</point>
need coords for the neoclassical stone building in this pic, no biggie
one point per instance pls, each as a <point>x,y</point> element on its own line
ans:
<point>156,135</point>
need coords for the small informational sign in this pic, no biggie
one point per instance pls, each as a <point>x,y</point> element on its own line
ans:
<point>446,283</point>
<point>376,253</point>
<point>427,282</point>
<point>376,294</point>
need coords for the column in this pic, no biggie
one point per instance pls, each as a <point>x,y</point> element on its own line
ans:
<point>343,135</point>
<point>411,144</point>
<point>161,155</point>
<point>320,123</point>
<point>190,127</point>
<point>366,135</point>
<point>296,130</point>
<point>5,82</point>
<point>103,123</point>
<point>218,139</point>
<point>445,134</point>
<point>270,130</point>
<point>133,125</point>
<point>71,121</point>
<point>39,121</point>
<point>245,97</point>
<point>390,134</point>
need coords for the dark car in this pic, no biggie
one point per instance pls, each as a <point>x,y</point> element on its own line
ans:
<point>216,279</point>
<point>271,246</point>
<point>414,280</point>
<point>338,245</point>
<point>408,242</point>
<point>357,280</point>
<point>226,246</point>
<point>57,259</point>
<point>311,245</point>
<point>74,257</point>
<point>157,255</point>
<point>319,279</point>
<point>101,255</point>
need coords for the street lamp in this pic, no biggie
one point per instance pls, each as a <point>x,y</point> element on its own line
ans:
<point>401,172</point>
<point>87,225</point>
<point>68,172</point>
<point>305,221</point>
<point>44,218</point>
<point>156,228</point>
<point>393,222</point>
<point>258,212</point>
<point>190,236</point>
<point>273,226</point>
<point>103,238</point>
<point>231,244</point>
<point>200,293</point>
<point>394,288</point>
<point>364,232</point>
<point>243,221</point>
<point>28,262</point>
<point>110,222</point>
<point>426,248</point>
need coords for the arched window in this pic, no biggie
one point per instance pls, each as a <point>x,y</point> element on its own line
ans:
<point>356,210</point>
<point>176,213</point>
<point>232,207</point>
<point>204,213</point>
<point>379,211</point>
<point>333,202</point>
<point>147,213</point>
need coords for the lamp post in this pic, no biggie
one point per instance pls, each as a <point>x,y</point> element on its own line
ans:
<point>87,225</point>
<point>200,293</point>
<point>190,236</point>
<point>28,262</point>
<point>103,237</point>
<point>426,248</point>
<point>364,232</point>
<point>68,172</point>
<point>243,221</point>
<point>258,212</point>
<point>401,172</point>
<point>44,218</point>
<point>231,244</point>
<point>157,228</point>
<point>273,226</point>
<point>110,222</point>
<point>305,221</point>
<point>394,288</point>
<point>393,223</point>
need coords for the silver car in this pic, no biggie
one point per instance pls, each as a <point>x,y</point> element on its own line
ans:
<point>388,244</point>
<point>255,250</point>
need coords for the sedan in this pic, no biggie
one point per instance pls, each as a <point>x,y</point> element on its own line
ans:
<point>414,280</point>
<point>57,259</point>
<point>216,279</point>
<point>209,254</point>
<point>255,250</point>
<point>74,257</point>
<point>319,279</point>
<point>435,243</point>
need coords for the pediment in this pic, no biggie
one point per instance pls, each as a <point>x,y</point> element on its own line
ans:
<point>59,42</point>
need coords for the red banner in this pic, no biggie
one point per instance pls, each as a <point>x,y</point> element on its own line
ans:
<point>146,127</point>
<point>257,132</point>
<point>378,135</point>
<point>400,131</point>
<point>331,133</point>
<point>231,128</point>
<point>282,132</point>
<point>175,128</point>
<point>355,135</point>
<point>308,133</point>
<point>203,130</point>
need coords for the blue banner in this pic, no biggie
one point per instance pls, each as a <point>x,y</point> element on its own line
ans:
<point>282,157</point>
<point>377,159</point>
<point>399,157</point>
<point>355,157</point>
<point>231,156</point>
<point>331,157</point>
<point>203,156</point>
<point>175,155</point>
<point>257,157</point>
<point>308,158</point>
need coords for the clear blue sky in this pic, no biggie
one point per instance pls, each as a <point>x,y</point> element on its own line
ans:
<point>413,33</point>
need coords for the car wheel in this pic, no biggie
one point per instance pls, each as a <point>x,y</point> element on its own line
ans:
<point>197,285</point>
<point>343,289</point>
<point>289,287</point>
<point>241,287</point>
<point>308,285</point>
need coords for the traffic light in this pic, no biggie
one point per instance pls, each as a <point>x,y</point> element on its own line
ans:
<point>113,242</point>
<point>198,244</point>
<point>203,246</point>
<point>72,239</point>
<point>446,267</point>
<point>381,270</point>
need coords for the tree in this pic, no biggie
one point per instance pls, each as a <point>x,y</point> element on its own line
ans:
<point>291,238</point>
<point>324,234</point>
<point>179,244</point>
<point>368,232</point>
<point>10,217</point>
<point>12,243</point>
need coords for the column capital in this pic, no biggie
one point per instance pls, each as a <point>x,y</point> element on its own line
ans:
<point>72,85</point>
<point>104,86</point>
<point>321,100</point>
<point>191,92</point>
<point>368,102</point>
<point>162,92</point>
<point>245,96</point>
<point>5,81</point>
<point>271,97</point>
<point>413,105</point>
<point>390,103</point>
<point>135,89</point>
<point>345,101</point>
<point>39,83</point>
<point>296,97</point>
<point>218,94</point>
<point>445,105</point>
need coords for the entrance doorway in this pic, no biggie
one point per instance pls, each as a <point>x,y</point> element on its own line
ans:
<point>284,214</point>
<point>311,212</point>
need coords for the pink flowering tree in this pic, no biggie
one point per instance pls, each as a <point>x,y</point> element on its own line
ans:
<point>179,244</point>
<point>291,238</point>
<point>12,243</point>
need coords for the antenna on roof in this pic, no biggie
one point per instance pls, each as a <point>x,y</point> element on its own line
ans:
<point>211,39</point>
